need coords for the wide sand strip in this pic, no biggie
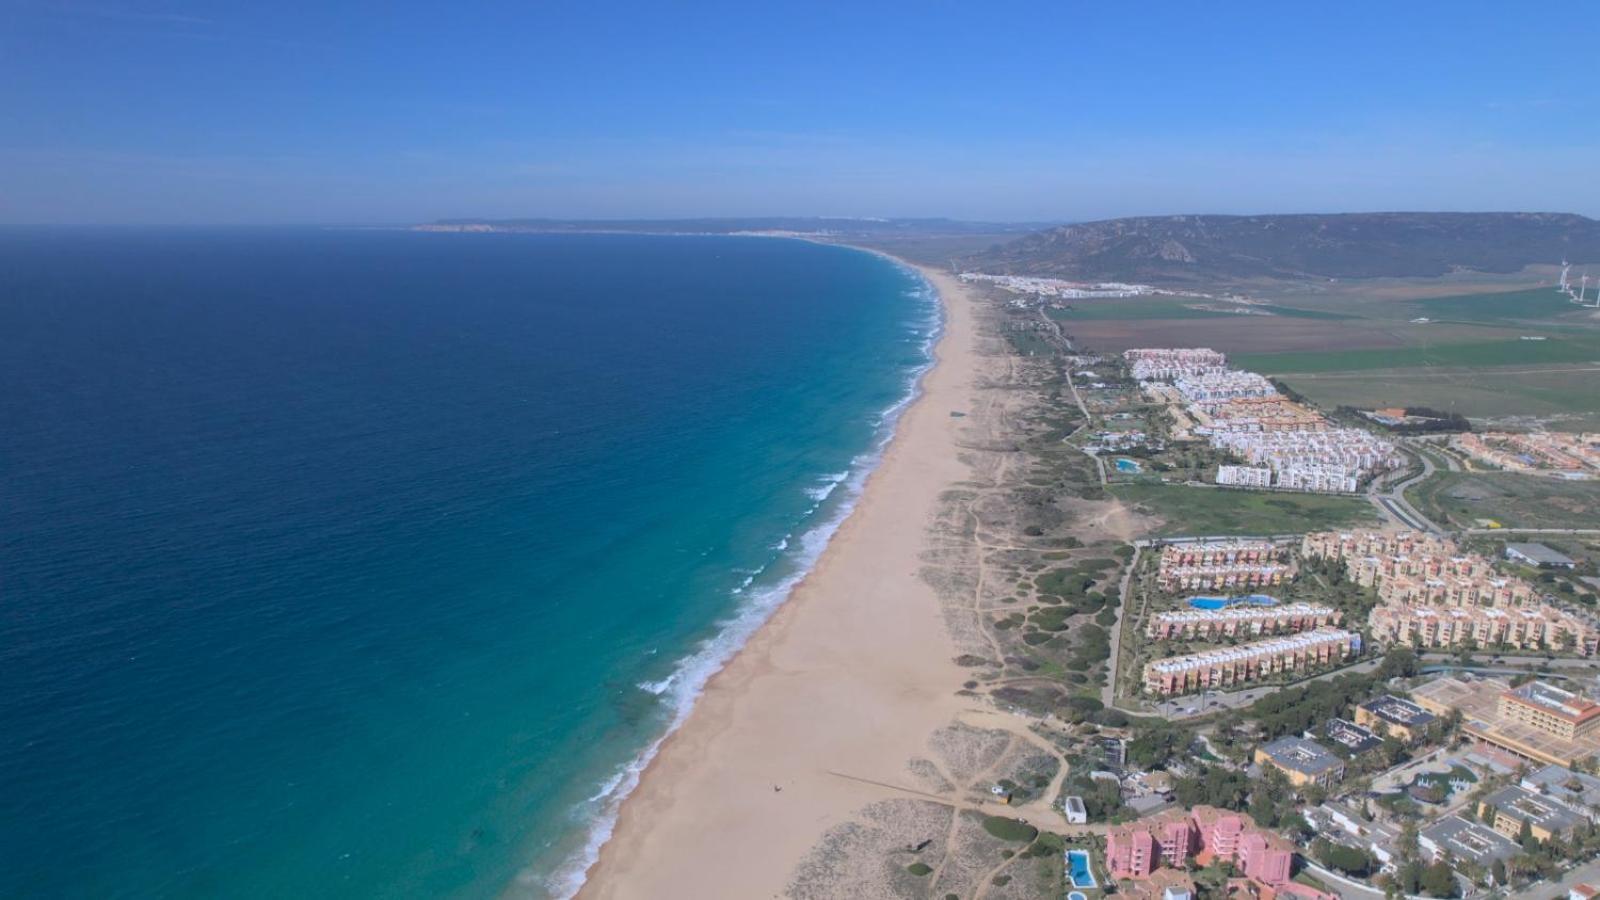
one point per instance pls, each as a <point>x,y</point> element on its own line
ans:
<point>845,682</point>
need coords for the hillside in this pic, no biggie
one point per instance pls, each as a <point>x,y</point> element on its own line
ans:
<point>1346,245</point>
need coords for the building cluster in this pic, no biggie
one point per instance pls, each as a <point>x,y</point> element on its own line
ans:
<point>1284,444</point>
<point>1245,476</point>
<point>1170,364</point>
<point>1237,666</point>
<point>1269,413</point>
<point>1328,460</point>
<point>1237,621</point>
<point>1448,626</point>
<point>1433,594</point>
<point>1222,565</point>
<point>1549,803</point>
<point>1536,451</point>
<point>1203,835</point>
<point>1229,384</point>
<point>1057,287</point>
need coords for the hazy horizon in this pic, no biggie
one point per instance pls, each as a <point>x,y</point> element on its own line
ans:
<point>179,113</point>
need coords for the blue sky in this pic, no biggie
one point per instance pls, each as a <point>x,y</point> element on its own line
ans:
<point>197,112</point>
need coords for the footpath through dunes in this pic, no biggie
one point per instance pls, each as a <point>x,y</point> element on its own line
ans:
<point>831,698</point>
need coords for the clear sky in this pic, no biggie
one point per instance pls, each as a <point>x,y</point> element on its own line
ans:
<point>118,111</point>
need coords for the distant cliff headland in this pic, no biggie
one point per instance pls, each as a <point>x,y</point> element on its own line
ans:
<point>807,225</point>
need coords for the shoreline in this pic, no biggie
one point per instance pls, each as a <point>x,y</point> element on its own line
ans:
<point>786,738</point>
<point>682,688</point>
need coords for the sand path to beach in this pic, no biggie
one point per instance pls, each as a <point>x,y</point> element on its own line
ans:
<point>820,712</point>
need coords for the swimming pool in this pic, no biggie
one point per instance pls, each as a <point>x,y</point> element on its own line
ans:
<point>1127,465</point>
<point>1078,870</point>
<point>1225,602</point>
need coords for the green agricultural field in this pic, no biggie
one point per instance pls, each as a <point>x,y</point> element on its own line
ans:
<point>1566,397</point>
<point>1460,499</point>
<point>1183,308</point>
<point>1296,312</point>
<point>1577,348</point>
<point>1139,308</point>
<point>1193,510</point>
<point>1539,303</point>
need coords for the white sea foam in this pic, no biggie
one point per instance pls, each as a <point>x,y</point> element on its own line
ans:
<point>680,689</point>
<point>827,485</point>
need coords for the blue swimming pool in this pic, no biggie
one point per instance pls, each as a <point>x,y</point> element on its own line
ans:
<point>1225,602</point>
<point>1078,869</point>
<point>1127,465</point>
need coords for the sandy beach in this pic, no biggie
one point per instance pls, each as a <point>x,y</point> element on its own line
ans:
<point>820,712</point>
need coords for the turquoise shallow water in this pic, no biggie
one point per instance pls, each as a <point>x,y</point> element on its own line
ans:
<point>369,563</point>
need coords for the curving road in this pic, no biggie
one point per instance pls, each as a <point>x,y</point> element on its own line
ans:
<point>1392,501</point>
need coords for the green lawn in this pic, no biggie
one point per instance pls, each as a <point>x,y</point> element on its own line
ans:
<point>1513,500</point>
<point>1575,349</point>
<point>1190,510</point>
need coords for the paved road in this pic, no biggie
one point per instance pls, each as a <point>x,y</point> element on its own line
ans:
<point>1392,499</point>
<point>1483,662</point>
<point>1533,530</point>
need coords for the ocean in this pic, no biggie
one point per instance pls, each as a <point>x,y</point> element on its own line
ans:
<point>374,563</point>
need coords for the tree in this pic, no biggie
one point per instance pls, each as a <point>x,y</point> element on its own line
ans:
<point>1213,786</point>
<point>1438,880</point>
<point>1399,662</point>
<point>1497,871</point>
<point>1349,860</point>
<point>1525,837</point>
<point>1154,746</point>
<point>1295,826</point>
<point>1409,877</point>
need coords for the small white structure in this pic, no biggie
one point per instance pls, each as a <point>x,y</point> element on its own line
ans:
<point>1076,814</point>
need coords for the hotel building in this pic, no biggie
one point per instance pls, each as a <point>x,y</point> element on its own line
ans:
<point>1536,721</point>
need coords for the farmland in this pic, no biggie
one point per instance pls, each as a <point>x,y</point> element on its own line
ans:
<point>1578,348</point>
<point>1139,308</point>
<point>1460,499</point>
<point>1536,304</point>
<point>1561,397</point>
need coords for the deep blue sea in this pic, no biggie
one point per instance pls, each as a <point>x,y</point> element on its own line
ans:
<point>368,563</point>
